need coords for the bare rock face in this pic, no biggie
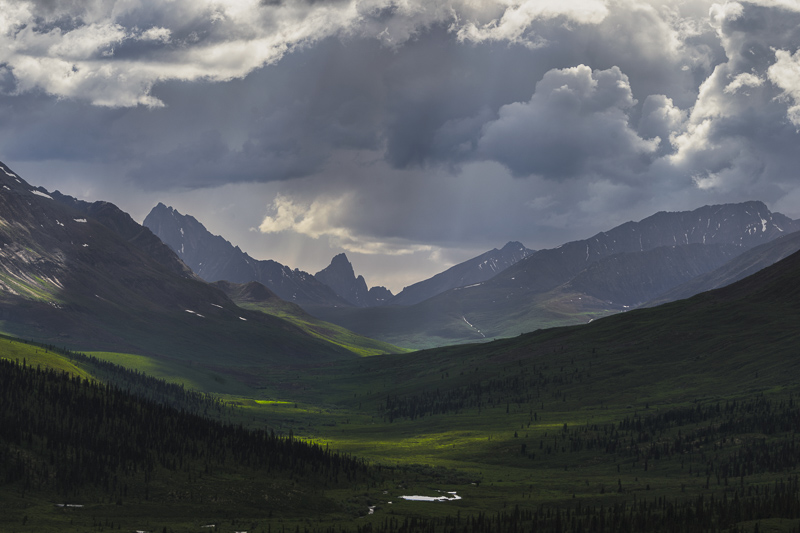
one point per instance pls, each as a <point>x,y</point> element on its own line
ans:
<point>215,259</point>
<point>86,275</point>
<point>341,277</point>
<point>475,270</point>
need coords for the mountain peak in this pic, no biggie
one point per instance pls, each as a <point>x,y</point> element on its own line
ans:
<point>475,270</point>
<point>513,246</point>
<point>341,277</point>
<point>213,258</point>
<point>341,261</point>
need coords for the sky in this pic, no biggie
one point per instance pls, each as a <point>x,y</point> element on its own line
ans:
<point>409,134</point>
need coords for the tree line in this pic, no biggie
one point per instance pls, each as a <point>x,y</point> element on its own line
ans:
<point>66,434</point>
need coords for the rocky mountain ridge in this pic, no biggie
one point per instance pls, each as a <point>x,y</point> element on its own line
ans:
<point>475,270</point>
<point>85,275</point>
<point>341,277</point>
<point>215,259</point>
<point>580,280</point>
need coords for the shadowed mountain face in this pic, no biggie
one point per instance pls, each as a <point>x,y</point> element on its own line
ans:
<point>87,276</point>
<point>742,266</point>
<point>631,278</point>
<point>475,270</point>
<point>579,280</point>
<point>213,258</point>
<point>742,225</point>
<point>340,277</point>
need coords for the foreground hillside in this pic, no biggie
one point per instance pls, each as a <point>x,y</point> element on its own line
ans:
<point>681,417</point>
<point>76,456</point>
<point>684,412</point>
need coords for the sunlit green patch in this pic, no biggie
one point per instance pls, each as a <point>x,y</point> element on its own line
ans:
<point>42,291</point>
<point>173,371</point>
<point>33,356</point>
<point>359,345</point>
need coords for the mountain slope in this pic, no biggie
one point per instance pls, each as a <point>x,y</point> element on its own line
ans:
<point>257,297</point>
<point>340,277</point>
<point>744,265</point>
<point>475,270</point>
<point>743,225</point>
<point>532,294</point>
<point>120,222</point>
<point>69,280</point>
<point>213,259</point>
<point>631,278</point>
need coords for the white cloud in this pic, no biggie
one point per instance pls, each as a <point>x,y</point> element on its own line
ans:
<point>575,123</point>
<point>156,34</point>
<point>732,128</point>
<point>720,13</point>
<point>69,49</point>
<point>517,18</point>
<point>785,73</point>
<point>745,79</point>
<point>327,217</point>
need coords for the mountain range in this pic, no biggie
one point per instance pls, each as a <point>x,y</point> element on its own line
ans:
<point>213,258</point>
<point>578,281</point>
<point>677,417</point>
<point>475,270</point>
<point>85,275</point>
<point>60,290</point>
<point>511,290</point>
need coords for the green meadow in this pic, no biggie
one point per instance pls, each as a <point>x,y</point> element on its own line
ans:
<point>679,418</point>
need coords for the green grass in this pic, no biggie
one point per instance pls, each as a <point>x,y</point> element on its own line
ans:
<point>513,446</point>
<point>445,320</point>
<point>178,371</point>
<point>32,355</point>
<point>358,344</point>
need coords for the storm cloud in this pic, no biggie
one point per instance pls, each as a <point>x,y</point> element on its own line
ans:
<point>422,132</point>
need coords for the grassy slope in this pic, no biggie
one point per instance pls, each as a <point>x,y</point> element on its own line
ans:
<point>444,319</point>
<point>737,344</point>
<point>256,297</point>
<point>332,333</point>
<point>722,346</point>
<point>32,355</point>
<point>184,494</point>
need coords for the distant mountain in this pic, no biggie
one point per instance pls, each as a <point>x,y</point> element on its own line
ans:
<point>632,278</point>
<point>743,225</point>
<point>255,296</point>
<point>341,277</point>
<point>536,291</point>
<point>742,266</point>
<point>213,258</point>
<point>70,279</point>
<point>475,270</point>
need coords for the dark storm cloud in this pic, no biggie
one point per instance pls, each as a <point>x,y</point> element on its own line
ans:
<point>288,120</point>
<point>575,123</point>
<point>274,3</point>
<point>389,127</point>
<point>737,134</point>
<point>425,102</point>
